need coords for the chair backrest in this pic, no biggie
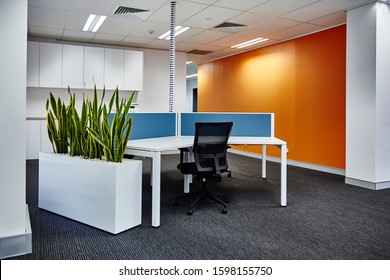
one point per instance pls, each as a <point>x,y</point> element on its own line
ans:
<point>210,145</point>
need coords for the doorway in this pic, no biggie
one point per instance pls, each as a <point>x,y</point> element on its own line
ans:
<point>195,100</point>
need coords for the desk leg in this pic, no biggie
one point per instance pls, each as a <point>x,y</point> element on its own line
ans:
<point>283,179</point>
<point>155,181</point>
<point>187,178</point>
<point>264,162</point>
<point>156,188</point>
<point>187,181</point>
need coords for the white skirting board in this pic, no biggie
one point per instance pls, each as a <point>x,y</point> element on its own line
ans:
<point>367,185</point>
<point>16,245</point>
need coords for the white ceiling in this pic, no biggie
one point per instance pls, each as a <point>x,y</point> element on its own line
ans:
<point>274,19</point>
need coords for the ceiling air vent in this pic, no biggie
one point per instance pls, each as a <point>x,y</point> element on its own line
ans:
<point>230,26</point>
<point>132,13</point>
<point>195,51</point>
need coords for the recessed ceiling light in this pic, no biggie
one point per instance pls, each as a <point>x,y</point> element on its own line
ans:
<point>249,43</point>
<point>188,62</point>
<point>178,30</point>
<point>93,23</point>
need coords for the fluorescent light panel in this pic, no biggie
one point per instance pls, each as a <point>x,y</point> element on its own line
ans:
<point>192,76</point>
<point>250,42</point>
<point>94,22</point>
<point>178,30</point>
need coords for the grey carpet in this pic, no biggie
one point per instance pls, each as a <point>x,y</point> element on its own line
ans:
<point>324,219</point>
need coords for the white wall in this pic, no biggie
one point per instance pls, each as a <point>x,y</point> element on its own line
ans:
<point>155,95</point>
<point>153,98</point>
<point>13,49</point>
<point>383,92</point>
<point>368,99</point>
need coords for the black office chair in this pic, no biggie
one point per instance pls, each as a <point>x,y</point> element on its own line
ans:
<point>209,151</point>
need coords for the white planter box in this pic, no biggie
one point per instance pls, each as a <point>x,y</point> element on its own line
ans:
<point>101,194</point>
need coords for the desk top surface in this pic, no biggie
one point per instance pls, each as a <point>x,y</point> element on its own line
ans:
<point>160,144</point>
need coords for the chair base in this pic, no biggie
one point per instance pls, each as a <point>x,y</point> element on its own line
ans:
<point>204,193</point>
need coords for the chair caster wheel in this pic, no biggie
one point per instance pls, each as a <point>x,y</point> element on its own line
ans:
<point>229,175</point>
<point>224,211</point>
<point>190,212</point>
<point>174,202</point>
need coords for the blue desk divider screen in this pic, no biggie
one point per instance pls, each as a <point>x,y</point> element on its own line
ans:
<point>151,125</point>
<point>244,124</point>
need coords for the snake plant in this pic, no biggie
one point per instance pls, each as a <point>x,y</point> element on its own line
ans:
<point>57,124</point>
<point>113,135</point>
<point>91,134</point>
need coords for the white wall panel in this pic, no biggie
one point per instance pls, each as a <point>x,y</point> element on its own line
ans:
<point>113,68</point>
<point>94,67</point>
<point>133,70</point>
<point>72,66</point>
<point>50,65</point>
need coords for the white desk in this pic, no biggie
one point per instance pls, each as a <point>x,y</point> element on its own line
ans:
<point>153,147</point>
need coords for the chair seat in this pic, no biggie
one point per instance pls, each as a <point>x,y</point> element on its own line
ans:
<point>190,168</point>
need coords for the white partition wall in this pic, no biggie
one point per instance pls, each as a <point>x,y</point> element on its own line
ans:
<point>368,98</point>
<point>15,230</point>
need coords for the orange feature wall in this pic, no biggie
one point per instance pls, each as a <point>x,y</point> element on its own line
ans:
<point>302,81</point>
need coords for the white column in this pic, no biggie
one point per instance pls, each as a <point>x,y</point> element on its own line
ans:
<point>368,98</point>
<point>15,231</point>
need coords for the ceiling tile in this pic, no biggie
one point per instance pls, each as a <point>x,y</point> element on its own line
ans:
<point>150,30</point>
<point>209,2</point>
<point>279,7</point>
<point>207,37</point>
<point>184,10</point>
<point>98,7</point>
<point>158,44</point>
<point>232,40</point>
<point>188,34</point>
<point>331,20</point>
<point>270,26</point>
<point>76,21</point>
<point>53,4</point>
<point>239,5</point>
<point>46,17</point>
<point>343,5</point>
<point>142,4</point>
<point>119,26</point>
<point>320,9</point>
<point>211,17</point>
<point>295,31</point>
<point>135,41</point>
<point>185,46</point>
<point>250,18</point>
<point>101,38</point>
